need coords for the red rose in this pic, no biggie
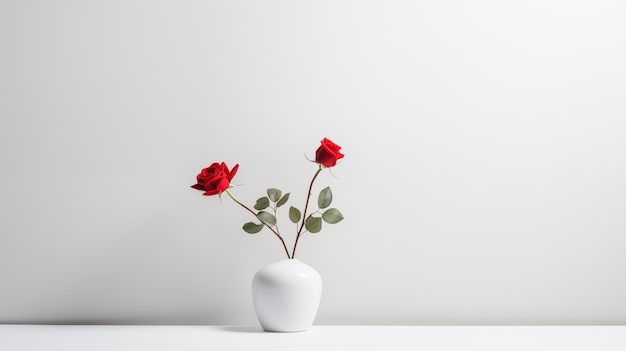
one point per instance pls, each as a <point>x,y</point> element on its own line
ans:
<point>328,153</point>
<point>215,179</point>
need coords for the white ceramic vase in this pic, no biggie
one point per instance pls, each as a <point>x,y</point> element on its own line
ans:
<point>286,295</point>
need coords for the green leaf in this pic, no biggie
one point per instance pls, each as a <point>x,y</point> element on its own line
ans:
<point>325,198</point>
<point>274,194</point>
<point>262,203</point>
<point>283,200</point>
<point>313,224</point>
<point>267,218</point>
<point>294,214</point>
<point>252,228</point>
<point>332,216</point>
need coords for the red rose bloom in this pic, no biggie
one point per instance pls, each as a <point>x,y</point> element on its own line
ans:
<point>328,153</point>
<point>215,179</point>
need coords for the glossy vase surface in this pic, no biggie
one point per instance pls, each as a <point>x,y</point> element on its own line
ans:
<point>286,295</point>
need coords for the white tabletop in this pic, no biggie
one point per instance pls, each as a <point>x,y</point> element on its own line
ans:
<point>362,338</point>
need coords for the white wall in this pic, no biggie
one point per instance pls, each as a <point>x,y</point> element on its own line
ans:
<point>483,183</point>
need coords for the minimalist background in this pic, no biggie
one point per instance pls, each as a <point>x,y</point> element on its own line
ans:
<point>483,183</point>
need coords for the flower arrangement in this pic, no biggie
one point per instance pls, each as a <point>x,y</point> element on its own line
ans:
<point>216,180</point>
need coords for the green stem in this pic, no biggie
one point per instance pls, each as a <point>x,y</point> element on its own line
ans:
<point>306,206</point>
<point>265,224</point>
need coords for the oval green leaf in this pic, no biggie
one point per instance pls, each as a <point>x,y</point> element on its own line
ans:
<point>283,200</point>
<point>332,216</point>
<point>274,194</point>
<point>325,198</point>
<point>313,224</point>
<point>252,228</point>
<point>262,203</point>
<point>294,214</point>
<point>267,218</point>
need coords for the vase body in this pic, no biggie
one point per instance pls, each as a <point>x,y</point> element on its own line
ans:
<point>286,295</point>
